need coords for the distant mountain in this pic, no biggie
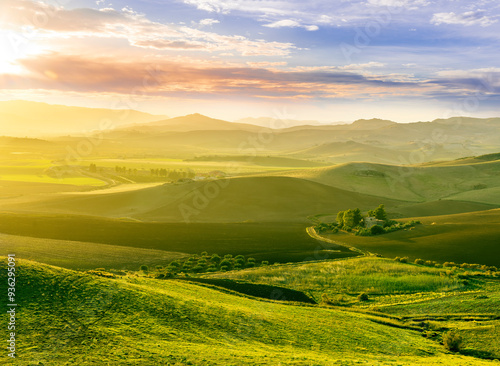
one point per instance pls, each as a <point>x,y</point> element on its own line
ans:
<point>192,122</point>
<point>371,124</point>
<point>277,123</point>
<point>24,118</point>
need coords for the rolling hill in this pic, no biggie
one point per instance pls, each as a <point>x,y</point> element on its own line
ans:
<point>411,183</point>
<point>467,237</point>
<point>254,199</point>
<point>91,320</point>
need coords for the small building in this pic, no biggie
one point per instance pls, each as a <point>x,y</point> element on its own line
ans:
<point>372,221</point>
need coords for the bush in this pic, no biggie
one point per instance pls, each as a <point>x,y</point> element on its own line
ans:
<point>144,268</point>
<point>224,268</point>
<point>376,230</point>
<point>265,263</point>
<point>452,341</point>
<point>226,263</point>
<point>363,297</point>
<point>419,261</point>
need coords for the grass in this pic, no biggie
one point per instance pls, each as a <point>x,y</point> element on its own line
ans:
<point>281,242</point>
<point>69,317</point>
<point>376,276</point>
<point>407,183</point>
<point>77,181</point>
<point>469,237</point>
<point>257,199</point>
<point>85,255</point>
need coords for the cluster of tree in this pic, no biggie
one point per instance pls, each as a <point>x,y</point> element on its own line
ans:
<point>125,170</point>
<point>354,220</point>
<point>172,174</point>
<point>93,168</point>
<point>389,226</point>
<point>349,219</point>
<point>208,263</point>
<point>478,268</point>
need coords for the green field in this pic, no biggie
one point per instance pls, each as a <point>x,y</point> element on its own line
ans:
<point>100,321</point>
<point>282,242</point>
<point>84,255</point>
<point>469,237</point>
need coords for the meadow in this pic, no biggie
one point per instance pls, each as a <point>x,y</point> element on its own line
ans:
<point>94,237</point>
<point>281,242</point>
<point>90,320</point>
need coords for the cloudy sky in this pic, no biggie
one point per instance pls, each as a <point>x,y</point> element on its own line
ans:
<point>341,60</point>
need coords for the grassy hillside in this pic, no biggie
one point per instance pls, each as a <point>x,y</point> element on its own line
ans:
<point>281,242</point>
<point>382,278</point>
<point>469,237</point>
<point>100,320</point>
<point>248,199</point>
<point>411,183</point>
<point>84,255</point>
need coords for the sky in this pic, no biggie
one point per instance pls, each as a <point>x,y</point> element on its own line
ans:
<point>404,60</point>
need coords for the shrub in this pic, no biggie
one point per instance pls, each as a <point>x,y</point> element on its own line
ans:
<point>144,268</point>
<point>226,263</point>
<point>265,263</point>
<point>376,230</point>
<point>419,261</point>
<point>159,268</point>
<point>197,269</point>
<point>215,258</point>
<point>363,296</point>
<point>452,341</point>
<point>224,268</point>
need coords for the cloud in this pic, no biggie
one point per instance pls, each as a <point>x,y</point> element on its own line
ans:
<point>55,22</point>
<point>469,18</point>
<point>409,4</point>
<point>106,75</point>
<point>208,22</point>
<point>289,23</point>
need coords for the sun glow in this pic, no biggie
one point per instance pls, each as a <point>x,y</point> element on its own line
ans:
<point>13,47</point>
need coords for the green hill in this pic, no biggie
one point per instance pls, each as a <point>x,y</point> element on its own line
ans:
<point>257,199</point>
<point>410,183</point>
<point>467,237</point>
<point>69,317</point>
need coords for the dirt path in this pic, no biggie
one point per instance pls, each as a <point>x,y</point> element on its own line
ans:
<point>311,231</point>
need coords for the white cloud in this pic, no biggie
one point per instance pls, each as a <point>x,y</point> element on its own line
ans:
<point>411,4</point>
<point>469,18</point>
<point>289,23</point>
<point>135,27</point>
<point>208,22</point>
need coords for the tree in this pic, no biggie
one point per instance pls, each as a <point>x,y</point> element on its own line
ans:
<point>349,219</point>
<point>340,218</point>
<point>215,259</point>
<point>379,213</point>
<point>357,216</point>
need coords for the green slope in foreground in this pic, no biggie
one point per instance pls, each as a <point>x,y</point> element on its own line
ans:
<point>67,317</point>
